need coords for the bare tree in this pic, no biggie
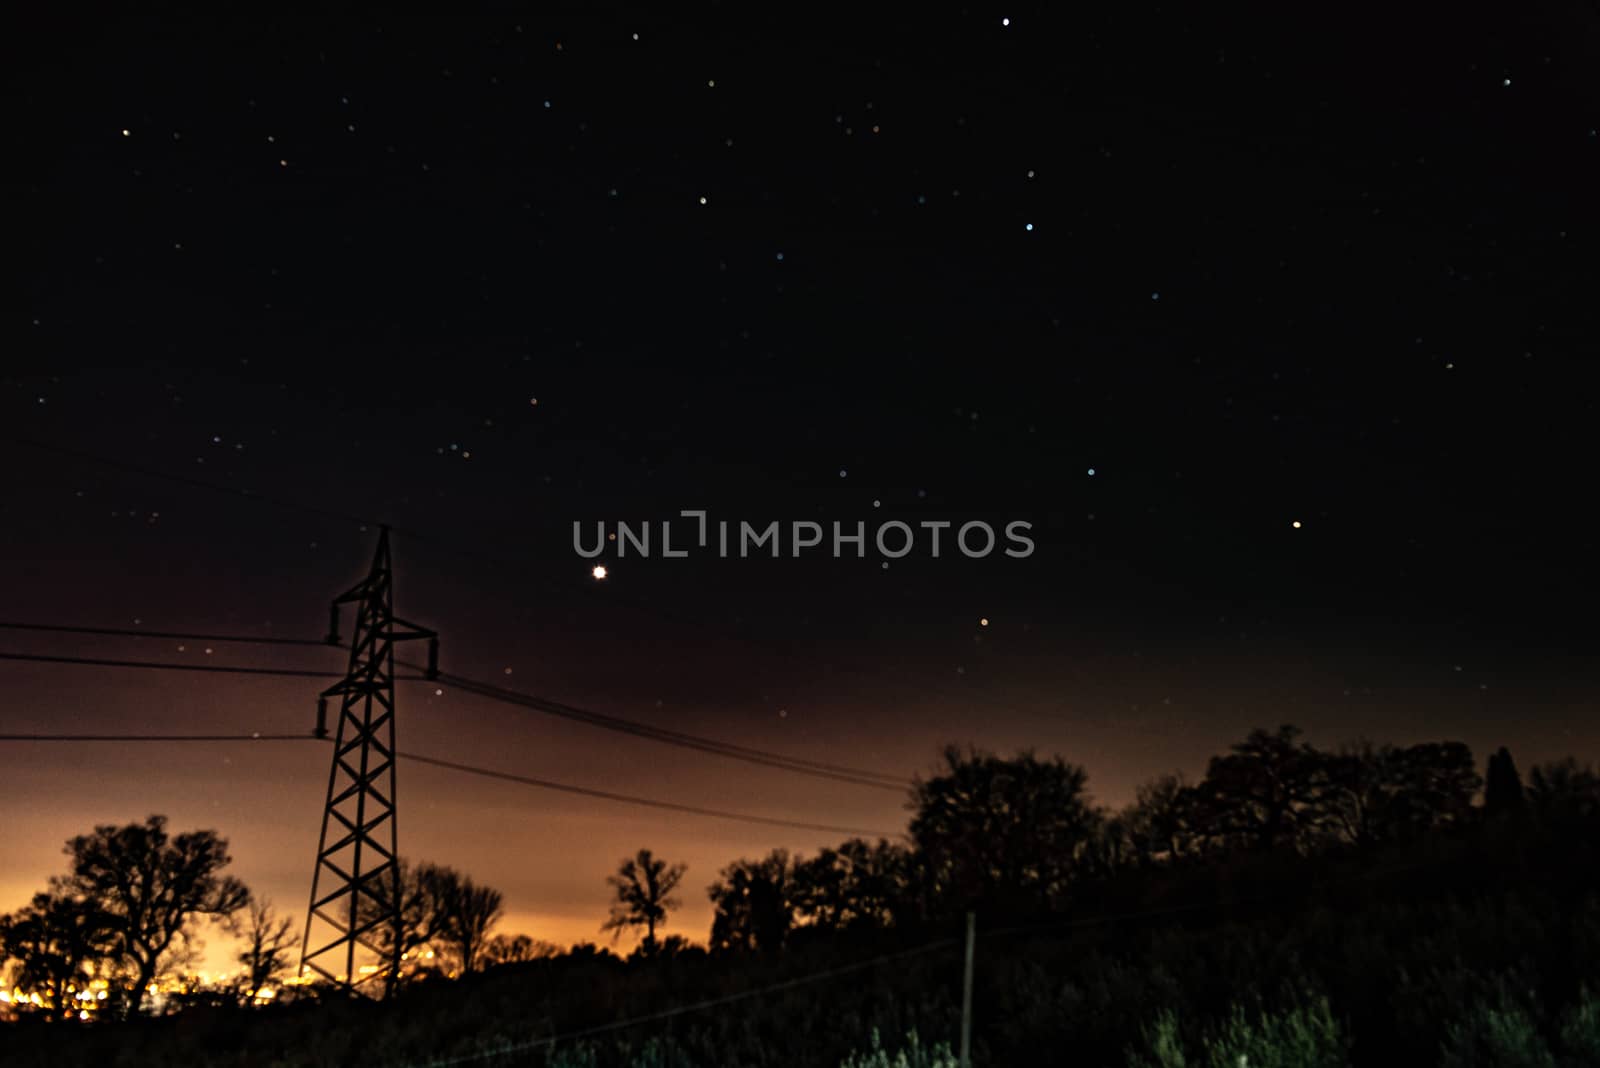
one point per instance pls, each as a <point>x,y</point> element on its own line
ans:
<point>268,941</point>
<point>443,914</point>
<point>152,886</point>
<point>467,913</point>
<point>421,915</point>
<point>643,887</point>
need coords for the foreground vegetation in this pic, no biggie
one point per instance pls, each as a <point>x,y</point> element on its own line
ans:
<point>1371,907</point>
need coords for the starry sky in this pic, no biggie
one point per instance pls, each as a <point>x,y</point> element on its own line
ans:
<point>1273,327</point>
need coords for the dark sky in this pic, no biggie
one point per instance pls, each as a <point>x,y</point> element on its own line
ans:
<point>1252,268</point>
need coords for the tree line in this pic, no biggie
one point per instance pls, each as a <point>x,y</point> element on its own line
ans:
<point>1021,836</point>
<point>1016,837</point>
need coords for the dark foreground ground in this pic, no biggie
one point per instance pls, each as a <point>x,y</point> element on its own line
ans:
<point>1479,949</point>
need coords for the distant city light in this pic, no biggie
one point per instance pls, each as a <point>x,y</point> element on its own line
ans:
<point>600,571</point>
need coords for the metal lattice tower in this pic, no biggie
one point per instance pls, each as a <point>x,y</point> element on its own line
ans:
<point>352,925</point>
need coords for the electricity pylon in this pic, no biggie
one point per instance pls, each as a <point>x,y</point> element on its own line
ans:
<point>353,924</point>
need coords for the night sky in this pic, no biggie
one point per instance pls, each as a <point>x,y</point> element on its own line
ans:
<point>1274,327</point>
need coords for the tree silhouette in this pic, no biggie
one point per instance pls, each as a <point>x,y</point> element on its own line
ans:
<point>56,940</point>
<point>643,887</point>
<point>1000,832</point>
<point>1272,790</point>
<point>1386,794</point>
<point>152,886</point>
<point>859,884</point>
<point>466,914</point>
<point>1161,822</point>
<point>515,949</point>
<point>1564,794</point>
<point>1435,783</point>
<point>440,909</point>
<point>1502,786</point>
<point>755,903</point>
<point>268,941</point>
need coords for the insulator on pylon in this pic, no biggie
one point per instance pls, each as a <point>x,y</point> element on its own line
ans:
<point>333,624</point>
<point>322,718</point>
<point>433,658</point>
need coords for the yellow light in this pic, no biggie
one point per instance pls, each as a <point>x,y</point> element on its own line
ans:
<point>984,622</point>
<point>1295,524</point>
<point>600,571</point>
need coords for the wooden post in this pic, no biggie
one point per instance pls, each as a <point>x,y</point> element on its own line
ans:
<point>966,993</point>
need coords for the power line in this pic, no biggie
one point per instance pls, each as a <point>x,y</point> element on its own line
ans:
<point>167,665</point>
<point>500,563</point>
<point>131,632</point>
<point>673,806</point>
<point>816,768</point>
<point>472,769</point>
<point>254,737</point>
<point>682,739</point>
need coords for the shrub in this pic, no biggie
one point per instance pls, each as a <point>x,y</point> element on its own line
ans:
<point>914,1055</point>
<point>1164,1042</point>
<point>1580,1032</point>
<point>1498,1032</point>
<point>1303,1037</point>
